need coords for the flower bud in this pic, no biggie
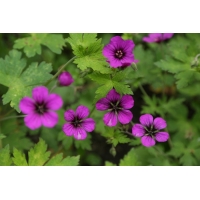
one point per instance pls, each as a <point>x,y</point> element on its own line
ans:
<point>65,79</point>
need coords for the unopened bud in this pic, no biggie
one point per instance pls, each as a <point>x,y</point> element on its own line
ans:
<point>65,79</point>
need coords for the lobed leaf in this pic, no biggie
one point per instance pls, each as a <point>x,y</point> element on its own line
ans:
<point>38,155</point>
<point>130,159</point>
<point>59,161</point>
<point>19,158</point>
<point>20,80</point>
<point>32,45</point>
<point>5,159</point>
<point>88,50</point>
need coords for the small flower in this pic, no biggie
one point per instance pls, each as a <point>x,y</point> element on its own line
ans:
<point>40,108</point>
<point>77,124</point>
<point>117,107</point>
<point>119,52</point>
<point>157,37</point>
<point>65,79</point>
<point>150,130</point>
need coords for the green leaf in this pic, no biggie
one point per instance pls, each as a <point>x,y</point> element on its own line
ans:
<point>100,78</point>
<point>84,144</point>
<point>59,161</point>
<point>19,158</point>
<point>109,83</point>
<point>182,61</point>
<point>122,88</point>
<point>107,163</point>
<point>188,160</point>
<point>155,105</point>
<point>2,136</point>
<point>20,81</point>
<point>177,150</point>
<point>5,159</point>
<point>114,136</point>
<point>32,44</point>
<point>38,155</point>
<point>88,50</point>
<point>172,66</point>
<point>103,90</point>
<point>130,159</point>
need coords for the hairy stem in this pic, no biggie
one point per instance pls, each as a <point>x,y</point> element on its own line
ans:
<point>92,111</point>
<point>60,70</point>
<point>11,117</point>
<point>143,91</point>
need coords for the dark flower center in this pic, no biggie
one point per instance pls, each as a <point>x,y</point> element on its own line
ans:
<point>115,106</point>
<point>77,122</point>
<point>119,54</point>
<point>150,130</point>
<point>40,108</point>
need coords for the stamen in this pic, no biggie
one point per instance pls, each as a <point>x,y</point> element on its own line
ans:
<point>119,54</point>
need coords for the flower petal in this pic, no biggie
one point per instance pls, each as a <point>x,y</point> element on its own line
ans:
<point>167,35</point>
<point>125,116</point>
<point>115,63</point>
<point>82,111</point>
<point>69,115</point>
<point>153,37</point>
<point>146,119</point>
<point>27,105</point>
<point>162,136</point>
<point>69,129</point>
<point>116,39</point>
<point>148,141</point>
<point>40,94</point>
<point>103,104</point>
<point>127,60</point>
<point>138,130</point>
<point>80,134</point>
<point>54,102</point>
<point>49,119</point>
<point>33,121</point>
<point>127,101</point>
<point>128,46</point>
<point>88,124</point>
<point>108,51</point>
<point>110,119</point>
<point>113,96</point>
<point>159,123</point>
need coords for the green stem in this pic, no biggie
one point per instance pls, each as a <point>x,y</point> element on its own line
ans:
<point>143,91</point>
<point>92,111</point>
<point>132,123</point>
<point>53,88</point>
<point>60,70</point>
<point>127,133</point>
<point>12,117</point>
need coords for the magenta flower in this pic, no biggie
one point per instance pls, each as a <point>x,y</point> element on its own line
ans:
<point>40,108</point>
<point>157,37</point>
<point>117,107</point>
<point>150,130</point>
<point>119,52</point>
<point>77,124</point>
<point>65,79</point>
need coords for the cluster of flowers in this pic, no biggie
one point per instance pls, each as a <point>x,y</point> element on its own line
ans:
<point>40,109</point>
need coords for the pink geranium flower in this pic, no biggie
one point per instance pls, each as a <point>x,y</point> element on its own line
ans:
<point>65,79</point>
<point>77,123</point>
<point>117,107</point>
<point>157,37</point>
<point>40,108</point>
<point>150,130</point>
<point>119,52</point>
